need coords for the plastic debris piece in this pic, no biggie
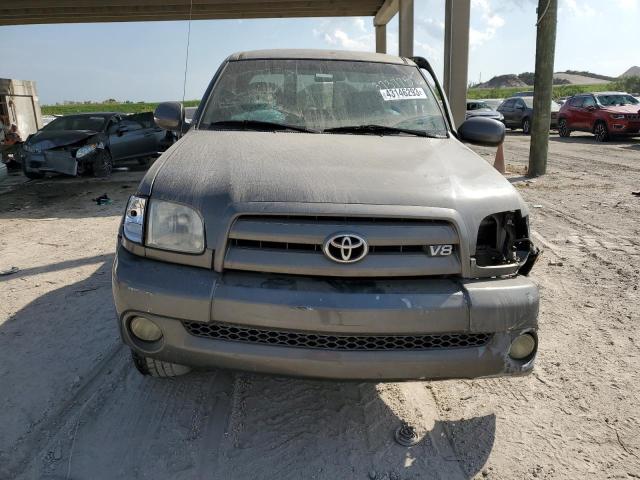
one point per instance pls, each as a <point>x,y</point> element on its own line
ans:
<point>9,271</point>
<point>103,200</point>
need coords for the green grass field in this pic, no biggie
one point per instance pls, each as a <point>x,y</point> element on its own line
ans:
<point>558,90</point>
<point>106,107</point>
<point>473,93</point>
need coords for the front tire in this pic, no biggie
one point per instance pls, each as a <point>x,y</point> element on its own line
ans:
<point>102,164</point>
<point>33,175</point>
<point>563,128</point>
<point>601,132</point>
<point>158,368</point>
<point>526,126</point>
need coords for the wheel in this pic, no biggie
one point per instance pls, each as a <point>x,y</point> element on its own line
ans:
<point>158,368</point>
<point>601,132</point>
<point>526,126</point>
<point>563,128</point>
<point>103,164</point>
<point>33,175</point>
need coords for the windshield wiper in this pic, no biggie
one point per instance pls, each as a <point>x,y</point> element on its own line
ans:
<point>379,130</point>
<point>258,125</point>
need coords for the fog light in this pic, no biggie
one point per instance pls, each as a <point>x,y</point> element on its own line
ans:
<point>145,329</point>
<point>522,346</point>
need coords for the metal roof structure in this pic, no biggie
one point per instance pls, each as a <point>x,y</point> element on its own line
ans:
<point>23,12</point>
<point>457,12</point>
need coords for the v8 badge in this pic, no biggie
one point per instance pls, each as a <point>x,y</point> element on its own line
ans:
<point>439,250</point>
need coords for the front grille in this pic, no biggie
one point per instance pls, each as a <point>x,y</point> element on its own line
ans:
<point>315,247</point>
<point>633,116</point>
<point>398,247</point>
<point>322,341</point>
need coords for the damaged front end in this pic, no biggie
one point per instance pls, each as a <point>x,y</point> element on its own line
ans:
<point>66,155</point>
<point>503,246</point>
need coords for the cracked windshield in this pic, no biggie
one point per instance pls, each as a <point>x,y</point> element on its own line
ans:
<point>325,95</point>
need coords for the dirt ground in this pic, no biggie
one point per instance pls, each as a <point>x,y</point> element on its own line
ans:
<point>72,406</point>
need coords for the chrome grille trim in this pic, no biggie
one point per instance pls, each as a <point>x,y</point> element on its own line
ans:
<point>293,245</point>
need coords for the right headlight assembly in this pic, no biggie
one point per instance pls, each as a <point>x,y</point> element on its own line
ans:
<point>169,226</point>
<point>503,239</point>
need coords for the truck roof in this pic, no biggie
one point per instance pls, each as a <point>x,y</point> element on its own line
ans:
<point>313,54</point>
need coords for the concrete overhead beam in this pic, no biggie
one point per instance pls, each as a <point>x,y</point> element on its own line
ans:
<point>89,11</point>
<point>387,11</point>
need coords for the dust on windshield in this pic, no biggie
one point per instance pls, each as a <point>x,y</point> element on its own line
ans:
<point>321,95</point>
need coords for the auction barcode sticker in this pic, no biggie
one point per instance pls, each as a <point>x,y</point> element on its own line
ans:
<point>402,93</point>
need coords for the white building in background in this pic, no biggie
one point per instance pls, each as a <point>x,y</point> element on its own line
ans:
<point>19,105</point>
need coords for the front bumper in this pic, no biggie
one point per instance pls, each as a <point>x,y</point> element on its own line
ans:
<point>170,294</point>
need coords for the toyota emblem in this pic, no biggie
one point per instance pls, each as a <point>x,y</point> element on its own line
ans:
<point>345,248</point>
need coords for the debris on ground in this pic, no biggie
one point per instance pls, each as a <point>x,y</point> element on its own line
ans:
<point>406,435</point>
<point>9,271</point>
<point>635,194</point>
<point>103,200</point>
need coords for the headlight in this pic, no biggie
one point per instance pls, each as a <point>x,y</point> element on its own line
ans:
<point>172,226</point>
<point>87,149</point>
<point>30,148</point>
<point>617,116</point>
<point>133,224</point>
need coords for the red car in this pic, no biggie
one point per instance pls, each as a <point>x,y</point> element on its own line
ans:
<point>604,114</point>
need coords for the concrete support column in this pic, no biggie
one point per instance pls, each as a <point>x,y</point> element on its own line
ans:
<point>456,55</point>
<point>406,28</point>
<point>381,38</point>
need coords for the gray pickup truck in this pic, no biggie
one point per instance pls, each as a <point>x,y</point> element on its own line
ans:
<point>322,218</point>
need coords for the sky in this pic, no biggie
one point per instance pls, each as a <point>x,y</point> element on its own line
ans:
<point>146,61</point>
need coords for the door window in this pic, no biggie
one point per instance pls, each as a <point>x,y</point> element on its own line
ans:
<point>589,102</point>
<point>576,102</point>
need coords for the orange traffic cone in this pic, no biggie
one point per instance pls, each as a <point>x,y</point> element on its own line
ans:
<point>499,163</point>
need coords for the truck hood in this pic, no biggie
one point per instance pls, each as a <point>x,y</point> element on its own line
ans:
<point>215,170</point>
<point>44,140</point>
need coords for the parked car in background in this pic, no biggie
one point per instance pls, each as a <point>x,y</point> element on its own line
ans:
<point>91,142</point>
<point>493,103</point>
<point>560,101</point>
<point>604,114</point>
<point>518,112</point>
<point>480,108</point>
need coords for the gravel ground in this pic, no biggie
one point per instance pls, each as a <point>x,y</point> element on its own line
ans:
<point>71,406</point>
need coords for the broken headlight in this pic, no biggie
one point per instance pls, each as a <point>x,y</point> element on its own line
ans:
<point>503,239</point>
<point>176,227</point>
<point>133,224</point>
<point>87,149</point>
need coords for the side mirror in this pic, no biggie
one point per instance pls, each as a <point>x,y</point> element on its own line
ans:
<point>519,107</point>
<point>170,116</point>
<point>591,108</point>
<point>122,129</point>
<point>482,131</point>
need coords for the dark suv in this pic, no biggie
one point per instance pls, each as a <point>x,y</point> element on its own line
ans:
<point>603,114</point>
<point>518,112</point>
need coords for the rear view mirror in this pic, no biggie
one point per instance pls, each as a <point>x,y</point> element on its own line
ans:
<point>169,115</point>
<point>482,131</point>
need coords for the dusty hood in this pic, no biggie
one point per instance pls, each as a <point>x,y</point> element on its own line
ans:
<point>212,170</point>
<point>44,140</point>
